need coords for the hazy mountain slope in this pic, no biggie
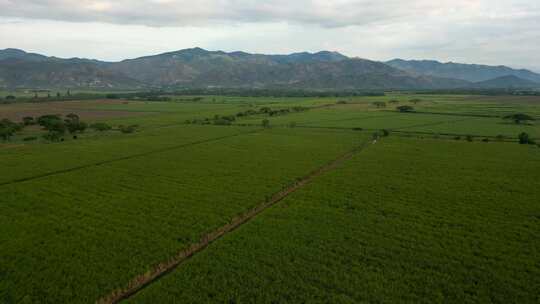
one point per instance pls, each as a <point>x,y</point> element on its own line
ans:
<point>507,82</point>
<point>323,70</point>
<point>200,68</point>
<point>56,74</point>
<point>21,69</point>
<point>468,72</point>
<point>22,55</point>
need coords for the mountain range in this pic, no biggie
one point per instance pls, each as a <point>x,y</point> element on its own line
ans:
<point>199,68</point>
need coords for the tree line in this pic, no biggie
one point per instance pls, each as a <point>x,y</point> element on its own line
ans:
<point>229,119</point>
<point>48,96</point>
<point>56,127</point>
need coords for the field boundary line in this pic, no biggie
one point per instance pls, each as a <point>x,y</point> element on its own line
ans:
<point>132,156</point>
<point>141,281</point>
<point>429,124</point>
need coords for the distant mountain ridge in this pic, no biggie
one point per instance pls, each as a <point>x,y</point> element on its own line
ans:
<point>199,68</point>
<point>324,70</point>
<point>468,72</point>
<point>506,82</point>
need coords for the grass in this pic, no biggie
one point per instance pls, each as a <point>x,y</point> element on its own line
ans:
<point>404,221</point>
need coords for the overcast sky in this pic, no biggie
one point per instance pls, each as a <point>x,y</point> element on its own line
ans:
<point>471,31</point>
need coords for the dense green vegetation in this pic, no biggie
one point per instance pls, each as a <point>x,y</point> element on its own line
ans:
<point>127,213</point>
<point>404,221</point>
<point>444,207</point>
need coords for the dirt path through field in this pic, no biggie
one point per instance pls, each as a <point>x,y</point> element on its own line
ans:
<point>143,280</point>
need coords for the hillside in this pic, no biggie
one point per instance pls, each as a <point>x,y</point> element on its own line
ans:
<point>507,82</point>
<point>324,70</point>
<point>21,69</point>
<point>54,73</point>
<point>468,72</point>
<point>199,68</point>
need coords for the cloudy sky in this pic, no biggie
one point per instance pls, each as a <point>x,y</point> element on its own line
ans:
<point>471,31</point>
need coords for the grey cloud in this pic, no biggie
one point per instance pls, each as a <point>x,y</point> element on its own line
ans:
<point>480,31</point>
<point>337,13</point>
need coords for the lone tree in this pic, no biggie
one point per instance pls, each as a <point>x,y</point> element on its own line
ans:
<point>6,133</point>
<point>266,123</point>
<point>524,139</point>
<point>54,124</point>
<point>28,120</point>
<point>519,118</point>
<point>8,128</point>
<point>405,109</point>
<point>74,124</point>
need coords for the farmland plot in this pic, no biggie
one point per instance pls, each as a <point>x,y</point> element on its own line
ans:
<point>75,236</point>
<point>404,221</point>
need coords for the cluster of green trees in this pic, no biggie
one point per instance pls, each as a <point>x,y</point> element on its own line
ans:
<point>54,124</point>
<point>57,127</point>
<point>523,138</point>
<point>285,111</point>
<point>225,120</point>
<point>379,104</point>
<point>405,109</point>
<point>8,99</point>
<point>46,96</point>
<point>216,120</point>
<point>382,104</point>
<point>519,118</point>
<point>272,112</point>
<point>128,129</point>
<point>381,133</point>
<point>101,127</point>
<point>8,128</point>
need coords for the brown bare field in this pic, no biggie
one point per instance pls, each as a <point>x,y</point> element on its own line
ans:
<point>86,109</point>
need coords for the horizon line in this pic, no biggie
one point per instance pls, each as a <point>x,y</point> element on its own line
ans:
<point>531,69</point>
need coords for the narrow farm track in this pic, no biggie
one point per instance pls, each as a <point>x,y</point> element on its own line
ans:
<point>158,271</point>
<point>127,157</point>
